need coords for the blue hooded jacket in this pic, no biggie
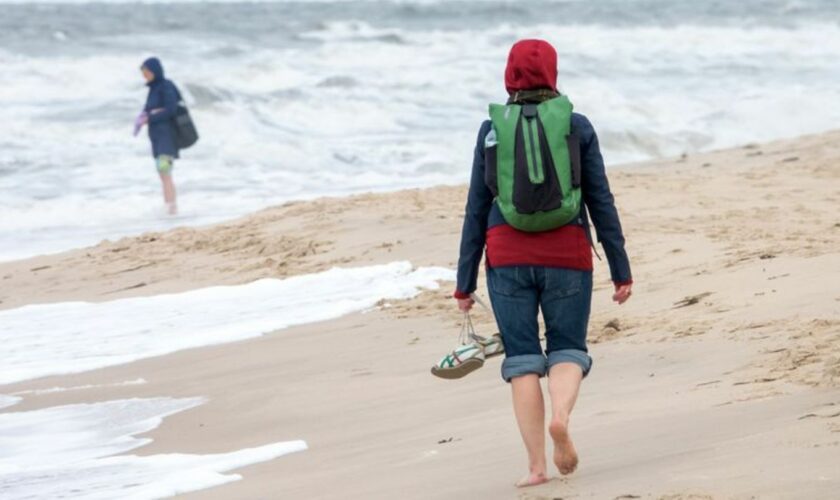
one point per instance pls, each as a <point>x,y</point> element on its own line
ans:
<point>598,204</point>
<point>164,96</point>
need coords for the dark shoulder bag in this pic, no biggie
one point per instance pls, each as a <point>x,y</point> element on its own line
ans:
<point>185,130</point>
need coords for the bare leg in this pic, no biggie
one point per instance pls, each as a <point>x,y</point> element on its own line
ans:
<point>563,385</point>
<point>529,408</point>
<point>169,193</point>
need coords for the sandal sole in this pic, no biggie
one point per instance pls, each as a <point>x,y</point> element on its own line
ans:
<point>459,371</point>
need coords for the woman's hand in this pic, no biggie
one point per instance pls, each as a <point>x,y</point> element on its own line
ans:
<point>141,120</point>
<point>622,293</point>
<point>465,304</point>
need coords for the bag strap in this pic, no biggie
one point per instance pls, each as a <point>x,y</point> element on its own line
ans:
<point>480,302</point>
<point>468,334</point>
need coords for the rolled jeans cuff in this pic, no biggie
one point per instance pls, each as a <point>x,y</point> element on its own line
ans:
<point>523,364</point>
<point>580,358</point>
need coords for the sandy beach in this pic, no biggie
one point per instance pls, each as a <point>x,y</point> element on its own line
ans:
<point>719,379</point>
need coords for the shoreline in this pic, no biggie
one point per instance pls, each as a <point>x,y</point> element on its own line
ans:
<point>719,379</point>
<point>291,248</point>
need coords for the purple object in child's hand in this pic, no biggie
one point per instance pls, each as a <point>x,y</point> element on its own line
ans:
<point>141,120</point>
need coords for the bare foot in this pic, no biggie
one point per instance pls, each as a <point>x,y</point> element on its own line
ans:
<point>565,455</point>
<point>532,479</point>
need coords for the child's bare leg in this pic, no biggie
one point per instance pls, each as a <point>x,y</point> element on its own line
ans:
<point>169,193</point>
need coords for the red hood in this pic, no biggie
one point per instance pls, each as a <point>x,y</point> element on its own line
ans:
<point>532,64</point>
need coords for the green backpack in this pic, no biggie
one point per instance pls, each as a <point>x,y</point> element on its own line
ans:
<point>532,164</point>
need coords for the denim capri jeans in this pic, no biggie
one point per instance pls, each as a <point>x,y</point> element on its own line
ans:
<point>564,296</point>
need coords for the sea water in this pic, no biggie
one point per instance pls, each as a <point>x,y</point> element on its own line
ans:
<point>81,451</point>
<point>72,337</point>
<point>295,100</point>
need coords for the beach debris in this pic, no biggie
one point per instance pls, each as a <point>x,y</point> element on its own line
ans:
<point>790,159</point>
<point>614,324</point>
<point>766,256</point>
<point>135,268</point>
<point>448,440</point>
<point>690,332</point>
<point>691,300</point>
<point>608,332</point>
<point>756,153</point>
<point>812,415</point>
<point>132,287</point>
<point>39,268</point>
<point>776,351</point>
<point>762,380</point>
<point>388,245</point>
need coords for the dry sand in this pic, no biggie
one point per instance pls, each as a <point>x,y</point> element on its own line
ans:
<point>719,379</point>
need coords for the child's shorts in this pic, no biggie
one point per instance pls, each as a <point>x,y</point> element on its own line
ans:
<point>164,164</point>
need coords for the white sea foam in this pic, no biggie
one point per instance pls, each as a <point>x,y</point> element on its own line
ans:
<point>6,401</point>
<point>72,337</point>
<point>53,390</point>
<point>68,451</point>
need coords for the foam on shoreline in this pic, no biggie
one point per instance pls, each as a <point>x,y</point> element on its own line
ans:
<point>73,337</point>
<point>51,452</point>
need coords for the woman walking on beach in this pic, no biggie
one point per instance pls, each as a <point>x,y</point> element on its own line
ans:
<point>159,114</point>
<point>537,178</point>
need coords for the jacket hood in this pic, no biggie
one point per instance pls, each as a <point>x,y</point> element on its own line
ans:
<point>153,64</point>
<point>531,65</point>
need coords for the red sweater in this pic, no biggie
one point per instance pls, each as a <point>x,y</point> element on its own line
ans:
<point>566,247</point>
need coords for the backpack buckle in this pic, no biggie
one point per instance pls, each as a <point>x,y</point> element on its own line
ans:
<point>529,110</point>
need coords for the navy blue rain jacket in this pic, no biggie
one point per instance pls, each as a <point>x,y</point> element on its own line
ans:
<point>165,96</point>
<point>482,213</point>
